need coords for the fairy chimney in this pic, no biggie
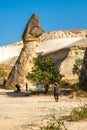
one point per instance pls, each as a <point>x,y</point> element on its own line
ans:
<point>24,63</point>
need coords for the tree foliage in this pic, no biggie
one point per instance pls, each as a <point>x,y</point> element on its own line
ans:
<point>77,66</point>
<point>44,72</point>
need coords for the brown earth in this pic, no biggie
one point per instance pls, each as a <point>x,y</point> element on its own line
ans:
<point>19,111</point>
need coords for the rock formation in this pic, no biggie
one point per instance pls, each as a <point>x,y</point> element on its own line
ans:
<point>83,74</point>
<point>46,41</point>
<point>24,62</point>
<point>64,50</point>
<point>66,66</point>
<point>32,30</point>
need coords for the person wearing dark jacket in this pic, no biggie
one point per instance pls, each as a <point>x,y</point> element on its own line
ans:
<point>26,87</point>
<point>18,87</point>
<point>56,92</point>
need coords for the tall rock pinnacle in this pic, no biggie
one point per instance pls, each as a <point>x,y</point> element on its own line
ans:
<point>32,30</point>
<point>24,63</point>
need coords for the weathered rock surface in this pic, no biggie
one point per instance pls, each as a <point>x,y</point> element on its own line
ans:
<point>66,66</point>
<point>83,75</point>
<point>64,50</point>
<point>33,29</point>
<point>24,63</point>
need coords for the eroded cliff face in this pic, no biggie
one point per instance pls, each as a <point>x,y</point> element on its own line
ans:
<point>65,59</point>
<point>83,74</point>
<point>68,63</point>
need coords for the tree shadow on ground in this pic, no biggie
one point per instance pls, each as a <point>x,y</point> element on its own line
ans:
<point>27,94</point>
<point>66,92</point>
<point>17,94</point>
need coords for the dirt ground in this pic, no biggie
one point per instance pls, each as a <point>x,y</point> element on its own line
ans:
<point>21,112</point>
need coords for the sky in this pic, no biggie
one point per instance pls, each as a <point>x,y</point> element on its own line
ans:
<point>54,15</point>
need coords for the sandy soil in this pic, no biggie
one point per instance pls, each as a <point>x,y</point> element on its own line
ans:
<point>21,112</point>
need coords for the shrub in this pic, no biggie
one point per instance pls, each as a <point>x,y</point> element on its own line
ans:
<point>64,82</point>
<point>54,124</point>
<point>77,66</point>
<point>77,114</point>
<point>79,92</point>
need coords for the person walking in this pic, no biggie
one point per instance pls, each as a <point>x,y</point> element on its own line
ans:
<point>18,87</point>
<point>26,87</point>
<point>56,92</point>
<point>4,82</point>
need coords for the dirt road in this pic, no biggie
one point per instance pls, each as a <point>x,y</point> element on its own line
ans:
<point>21,112</point>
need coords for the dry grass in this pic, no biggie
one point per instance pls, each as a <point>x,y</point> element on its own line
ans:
<point>6,69</point>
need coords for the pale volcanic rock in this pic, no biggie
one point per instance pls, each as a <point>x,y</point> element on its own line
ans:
<point>24,62</point>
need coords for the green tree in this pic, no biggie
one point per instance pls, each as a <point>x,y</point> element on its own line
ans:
<point>44,72</point>
<point>77,66</point>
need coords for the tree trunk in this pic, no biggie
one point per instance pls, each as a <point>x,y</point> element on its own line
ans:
<point>46,88</point>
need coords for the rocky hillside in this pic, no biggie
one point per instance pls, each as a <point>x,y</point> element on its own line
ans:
<point>64,46</point>
<point>48,43</point>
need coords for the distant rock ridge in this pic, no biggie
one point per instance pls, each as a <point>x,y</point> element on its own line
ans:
<point>10,53</point>
<point>12,44</point>
<point>55,35</point>
<point>15,48</point>
<point>63,34</point>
